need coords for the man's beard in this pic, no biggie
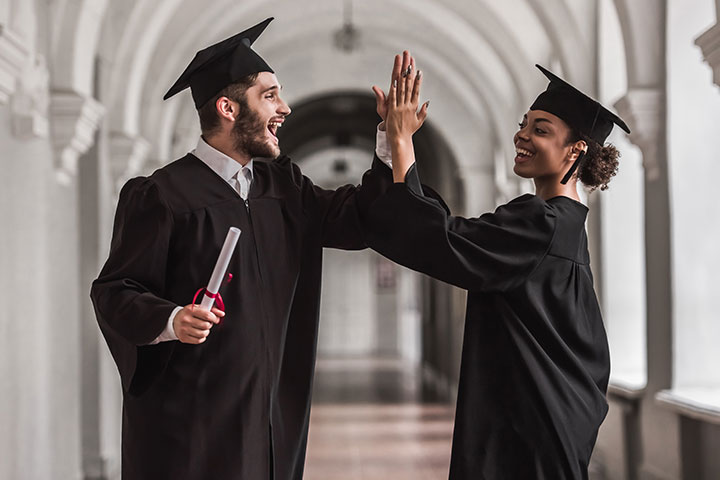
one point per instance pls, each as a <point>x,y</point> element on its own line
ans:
<point>249,134</point>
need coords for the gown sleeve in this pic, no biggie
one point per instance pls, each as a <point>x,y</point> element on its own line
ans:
<point>127,295</point>
<point>494,252</point>
<point>337,210</point>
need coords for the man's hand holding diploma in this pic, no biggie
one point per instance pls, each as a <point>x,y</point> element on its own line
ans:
<point>192,325</point>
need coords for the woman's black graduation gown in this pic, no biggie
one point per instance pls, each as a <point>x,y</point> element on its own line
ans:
<point>236,406</point>
<point>535,361</point>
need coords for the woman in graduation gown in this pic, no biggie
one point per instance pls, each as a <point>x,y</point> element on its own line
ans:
<point>535,362</point>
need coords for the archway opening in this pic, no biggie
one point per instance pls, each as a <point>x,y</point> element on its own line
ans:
<point>379,327</point>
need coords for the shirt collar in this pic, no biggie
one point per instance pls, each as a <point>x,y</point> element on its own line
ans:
<point>220,163</point>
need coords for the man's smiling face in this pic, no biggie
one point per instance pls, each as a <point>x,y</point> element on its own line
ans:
<point>255,129</point>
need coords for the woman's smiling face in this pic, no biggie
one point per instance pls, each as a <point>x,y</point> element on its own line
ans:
<point>541,146</point>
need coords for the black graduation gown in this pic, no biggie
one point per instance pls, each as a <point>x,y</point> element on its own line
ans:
<point>236,406</point>
<point>535,361</point>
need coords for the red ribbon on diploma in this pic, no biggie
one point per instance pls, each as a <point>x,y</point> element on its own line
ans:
<point>216,296</point>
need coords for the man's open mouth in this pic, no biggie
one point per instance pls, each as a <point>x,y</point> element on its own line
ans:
<point>273,128</point>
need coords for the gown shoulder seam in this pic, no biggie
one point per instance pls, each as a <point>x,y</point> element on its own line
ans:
<point>544,255</point>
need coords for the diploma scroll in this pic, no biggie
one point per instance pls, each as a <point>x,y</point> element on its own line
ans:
<point>211,292</point>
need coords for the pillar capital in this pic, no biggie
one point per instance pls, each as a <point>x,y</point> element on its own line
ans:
<point>709,43</point>
<point>74,118</point>
<point>23,85</point>
<point>29,103</point>
<point>642,108</point>
<point>13,55</point>
<point>127,156</point>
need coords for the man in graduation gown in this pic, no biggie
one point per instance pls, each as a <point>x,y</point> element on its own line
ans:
<point>207,395</point>
<point>535,363</point>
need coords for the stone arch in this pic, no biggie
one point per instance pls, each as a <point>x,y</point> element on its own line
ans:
<point>474,107</point>
<point>172,44</point>
<point>576,54</point>
<point>75,44</point>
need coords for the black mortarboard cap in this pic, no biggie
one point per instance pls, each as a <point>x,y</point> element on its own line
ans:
<point>221,64</point>
<point>579,111</point>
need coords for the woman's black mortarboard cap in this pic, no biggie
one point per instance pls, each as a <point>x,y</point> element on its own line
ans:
<point>579,111</point>
<point>582,113</point>
<point>221,64</point>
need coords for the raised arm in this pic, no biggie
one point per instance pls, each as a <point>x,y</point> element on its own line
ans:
<point>403,117</point>
<point>493,252</point>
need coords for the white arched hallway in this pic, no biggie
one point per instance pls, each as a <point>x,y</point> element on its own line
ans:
<point>81,111</point>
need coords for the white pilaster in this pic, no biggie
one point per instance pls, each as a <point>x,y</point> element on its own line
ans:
<point>709,43</point>
<point>127,156</point>
<point>642,109</point>
<point>29,103</point>
<point>74,119</point>
<point>13,56</point>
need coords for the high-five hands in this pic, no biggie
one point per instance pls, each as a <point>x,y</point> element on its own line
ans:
<point>403,68</point>
<point>192,324</point>
<point>400,114</point>
<point>403,118</point>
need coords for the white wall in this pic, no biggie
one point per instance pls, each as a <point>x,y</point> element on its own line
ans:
<point>693,119</point>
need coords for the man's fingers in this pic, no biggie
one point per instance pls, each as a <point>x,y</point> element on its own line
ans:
<point>197,334</point>
<point>379,94</point>
<point>206,315</point>
<point>198,324</point>
<point>380,101</point>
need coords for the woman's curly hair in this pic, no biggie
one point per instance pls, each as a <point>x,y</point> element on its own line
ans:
<point>599,164</point>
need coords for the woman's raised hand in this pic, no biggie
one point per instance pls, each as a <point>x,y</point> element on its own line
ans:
<point>403,117</point>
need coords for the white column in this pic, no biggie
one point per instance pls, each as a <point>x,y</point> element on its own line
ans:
<point>101,397</point>
<point>644,108</point>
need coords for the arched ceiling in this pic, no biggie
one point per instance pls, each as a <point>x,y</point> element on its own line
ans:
<point>478,56</point>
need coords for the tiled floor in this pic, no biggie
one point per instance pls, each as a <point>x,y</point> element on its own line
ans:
<point>366,424</point>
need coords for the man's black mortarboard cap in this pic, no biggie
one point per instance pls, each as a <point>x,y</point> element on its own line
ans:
<point>221,64</point>
<point>579,111</point>
<point>582,113</point>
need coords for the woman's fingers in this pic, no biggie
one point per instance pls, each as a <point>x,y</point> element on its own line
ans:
<point>416,88</point>
<point>401,88</point>
<point>392,95</point>
<point>422,114</point>
<point>396,71</point>
<point>409,86</point>
<point>406,62</point>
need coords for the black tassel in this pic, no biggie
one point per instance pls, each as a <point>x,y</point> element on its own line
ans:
<point>573,168</point>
